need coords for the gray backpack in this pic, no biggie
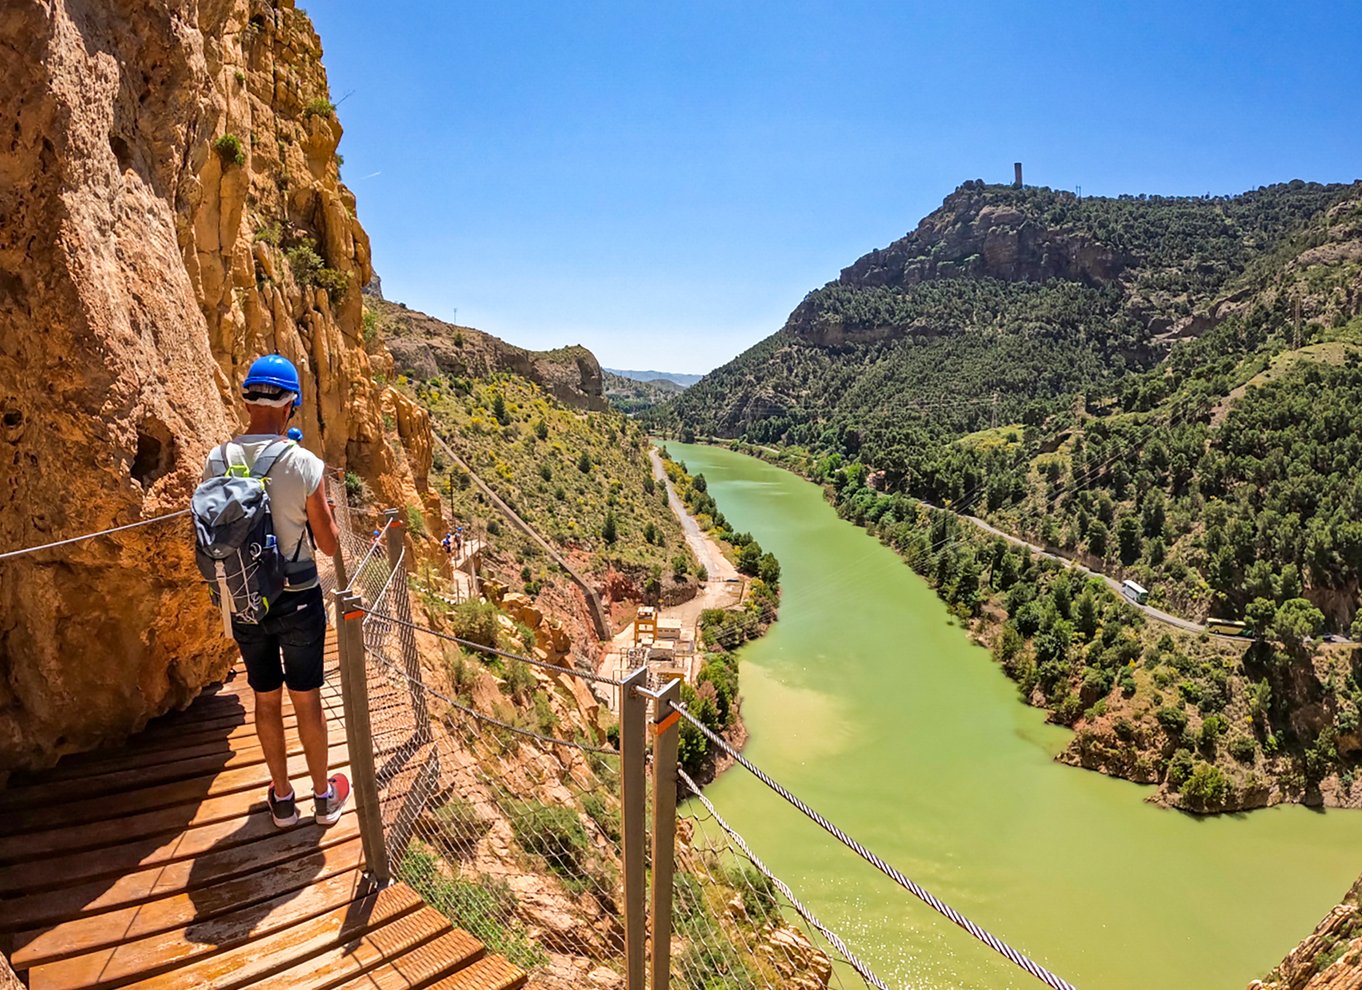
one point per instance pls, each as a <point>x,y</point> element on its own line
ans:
<point>235,546</point>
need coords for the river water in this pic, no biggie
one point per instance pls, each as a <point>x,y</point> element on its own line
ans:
<point>871,705</point>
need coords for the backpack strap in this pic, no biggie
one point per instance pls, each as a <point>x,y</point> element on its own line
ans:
<point>264,461</point>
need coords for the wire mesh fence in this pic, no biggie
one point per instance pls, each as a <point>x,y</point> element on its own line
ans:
<point>496,781</point>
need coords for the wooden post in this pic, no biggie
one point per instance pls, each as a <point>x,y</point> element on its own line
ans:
<point>633,783</point>
<point>359,734</point>
<point>666,733</point>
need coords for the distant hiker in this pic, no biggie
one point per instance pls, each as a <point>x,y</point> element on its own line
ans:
<point>448,543</point>
<point>458,539</point>
<point>270,598</point>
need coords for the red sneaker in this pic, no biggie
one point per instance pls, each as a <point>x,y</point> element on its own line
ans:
<point>329,808</point>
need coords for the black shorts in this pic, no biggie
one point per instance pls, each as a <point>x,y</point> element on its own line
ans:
<point>295,626</point>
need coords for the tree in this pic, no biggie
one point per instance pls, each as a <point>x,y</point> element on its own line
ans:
<point>499,409</point>
<point>1296,621</point>
<point>610,529</point>
<point>768,569</point>
<point>1097,539</point>
<point>584,463</point>
<point>1129,540</point>
<point>1085,614</point>
<point>749,559</point>
<point>1259,615</point>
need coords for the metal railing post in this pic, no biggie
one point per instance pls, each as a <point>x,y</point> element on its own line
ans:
<point>359,736</point>
<point>666,733</point>
<point>394,534</point>
<point>338,558</point>
<point>633,784</point>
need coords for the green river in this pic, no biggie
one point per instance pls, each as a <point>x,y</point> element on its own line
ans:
<point>870,704</point>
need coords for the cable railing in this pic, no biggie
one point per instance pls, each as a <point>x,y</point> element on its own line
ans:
<point>505,799</point>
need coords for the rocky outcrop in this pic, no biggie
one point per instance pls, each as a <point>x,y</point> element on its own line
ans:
<point>423,347</point>
<point>1329,958</point>
<point>170,208</point>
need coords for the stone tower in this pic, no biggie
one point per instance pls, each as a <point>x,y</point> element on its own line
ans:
<point>1016,175</point>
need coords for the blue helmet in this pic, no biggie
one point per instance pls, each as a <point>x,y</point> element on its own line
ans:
<point>275,370</point>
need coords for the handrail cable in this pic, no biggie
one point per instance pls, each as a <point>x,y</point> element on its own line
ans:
<point>355,569</point>
<point>90,536</point>
<point>936,904</point>
<point>394,669</point>
<point>532,661</point>
<point>809,917</point>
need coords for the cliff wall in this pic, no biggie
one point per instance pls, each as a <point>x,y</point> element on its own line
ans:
<point>170,208</point>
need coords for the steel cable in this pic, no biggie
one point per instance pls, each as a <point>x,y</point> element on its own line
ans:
<point>935,903</point>
<point>809,917</point>
<point>91,536</point>
<point>532,661</point>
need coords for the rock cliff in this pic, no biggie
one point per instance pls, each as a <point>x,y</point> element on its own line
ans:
<point>424,347</point>
<point>170,208</point>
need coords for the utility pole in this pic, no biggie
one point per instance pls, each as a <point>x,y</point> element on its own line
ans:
<point>994,420</point>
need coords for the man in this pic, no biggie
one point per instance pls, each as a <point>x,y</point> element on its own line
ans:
<point>286,647</point>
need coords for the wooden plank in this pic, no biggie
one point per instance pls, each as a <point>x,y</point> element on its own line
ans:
<point>167,918</point>
<point>139,958</point>
<point>377,948</point>
<point>216,866</point>
<point>420,966</point>
<point>202,741</point>
<point>488,973</point>
<point>160,822</point>
<point>37,874</point>
<point>159,796</point>
<point>121,781</point>
<point>266,957</point>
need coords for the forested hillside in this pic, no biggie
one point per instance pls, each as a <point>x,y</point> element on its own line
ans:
<point>1028,293</point>
<point>1166,388</point>
<point>535,428</point>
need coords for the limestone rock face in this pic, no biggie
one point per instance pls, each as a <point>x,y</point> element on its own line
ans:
<point>424,347</point>
<point>170,209</point>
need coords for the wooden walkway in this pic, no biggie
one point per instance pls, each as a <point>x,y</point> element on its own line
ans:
<point>157,865</point>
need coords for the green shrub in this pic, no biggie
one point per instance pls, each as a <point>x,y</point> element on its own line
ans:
<point>603,815</point>
<point>477,622</point>
<point>304,261</point>
<point>553,832</point>
<point>320,107</point>
<point>1243,749</point>
<point>1180,768</point>
<point>458,826</point>
<point>1206,787</point>
<point>1174,720</point>
<point>230,150</point>
<point>485,907</point>
<point>416,522</point>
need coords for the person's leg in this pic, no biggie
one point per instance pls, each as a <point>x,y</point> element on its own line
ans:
<point>312,733</point>
<point>302,637</point>
<point>265,674</point>
<point>269,729</point>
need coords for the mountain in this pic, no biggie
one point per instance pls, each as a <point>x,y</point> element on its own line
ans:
<point>638,398</point>
<point>998,303</point>
<point>651,376</point>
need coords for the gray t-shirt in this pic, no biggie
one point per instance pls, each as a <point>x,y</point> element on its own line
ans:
<point>295,476</point>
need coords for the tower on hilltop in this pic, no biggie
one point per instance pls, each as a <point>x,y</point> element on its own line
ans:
<point>1016,175</point>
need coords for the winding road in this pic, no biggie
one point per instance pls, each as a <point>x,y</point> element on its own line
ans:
<point>1159,615</point>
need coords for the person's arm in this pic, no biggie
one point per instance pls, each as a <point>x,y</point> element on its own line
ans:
<point>322,522</point>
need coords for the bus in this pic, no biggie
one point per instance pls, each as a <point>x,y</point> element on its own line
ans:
<point>1134,592</point>
<point>1228,627</point>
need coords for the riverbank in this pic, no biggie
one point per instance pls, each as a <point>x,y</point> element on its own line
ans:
<point>867,702</point>
<point>1211,724</point>
<point>738,598</point>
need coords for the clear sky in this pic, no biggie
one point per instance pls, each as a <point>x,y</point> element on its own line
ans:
<point>663,182</point>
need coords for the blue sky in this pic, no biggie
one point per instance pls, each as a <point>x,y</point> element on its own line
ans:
<point>663,182</point>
